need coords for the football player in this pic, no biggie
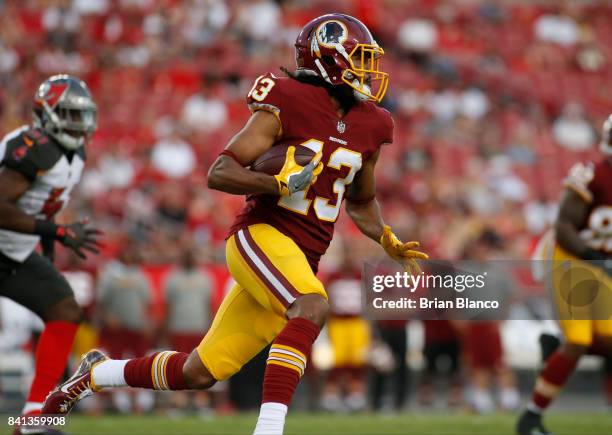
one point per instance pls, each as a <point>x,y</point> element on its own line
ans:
<point>581,268</point>
<point>40,164</point>
<point>349,336</point>
<point>329,105</point>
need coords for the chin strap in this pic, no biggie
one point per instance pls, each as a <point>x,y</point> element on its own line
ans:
<point>362,93</point>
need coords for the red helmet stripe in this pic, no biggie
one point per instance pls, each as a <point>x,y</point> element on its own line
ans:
<point>55,92</point>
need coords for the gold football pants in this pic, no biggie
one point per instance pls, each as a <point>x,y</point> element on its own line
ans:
<point>271,272</point>
<point>583,298</point>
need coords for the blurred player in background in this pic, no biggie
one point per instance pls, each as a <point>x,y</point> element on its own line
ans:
<point>188,292</point>
<point>40,164</point>
<point>481,336</point>
<point>124,300</point>
<point>583,241</point>
<point>388,360</point>
<point>349,334</point>
<point>329,105</point>
<point>441,344</point>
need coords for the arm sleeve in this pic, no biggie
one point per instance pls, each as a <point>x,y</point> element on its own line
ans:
<point>267,94</point>
<point>579,179</point>
<point>26,156</point>
<point>388,125</point>
<point>20,159</point>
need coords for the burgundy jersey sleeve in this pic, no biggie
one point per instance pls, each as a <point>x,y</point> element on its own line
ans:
<point>268,93</point>
<point>600,186</point>
<point>29,153</point>
<point>387,127</point>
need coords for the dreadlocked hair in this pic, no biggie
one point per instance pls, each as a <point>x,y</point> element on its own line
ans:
<point>343,94</point>
<point>304,77</point>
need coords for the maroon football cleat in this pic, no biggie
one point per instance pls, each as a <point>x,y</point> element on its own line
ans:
<point>66,395</point>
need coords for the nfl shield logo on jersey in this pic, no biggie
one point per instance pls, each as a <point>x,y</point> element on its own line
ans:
<point>341,127</point>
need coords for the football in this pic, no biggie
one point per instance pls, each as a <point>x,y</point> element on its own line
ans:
<point>272,161</point>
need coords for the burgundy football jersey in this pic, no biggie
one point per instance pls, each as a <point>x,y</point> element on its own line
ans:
<point>593,182</point>
<point>308,118</point>
<point>344,291</point>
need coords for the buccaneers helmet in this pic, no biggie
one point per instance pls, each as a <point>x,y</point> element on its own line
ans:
<point>606,137</point>
<point>64,108</point>
<point>341,50</point>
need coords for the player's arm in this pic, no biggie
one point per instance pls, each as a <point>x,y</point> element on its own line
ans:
<point>76,236</point>
<point>364,210</point>
<point>229,173</point>
<point>13,184</point>
<point>573,213</point>
<point>361,204</point>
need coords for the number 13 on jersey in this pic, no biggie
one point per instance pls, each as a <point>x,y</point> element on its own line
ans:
<point>325,211</point>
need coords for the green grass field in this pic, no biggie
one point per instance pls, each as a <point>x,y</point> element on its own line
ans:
<point>322,424</point>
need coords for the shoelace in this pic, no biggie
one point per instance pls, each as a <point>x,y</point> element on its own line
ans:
<point>74,395</point>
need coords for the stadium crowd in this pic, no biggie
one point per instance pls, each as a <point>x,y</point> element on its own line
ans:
<point>492,101</point>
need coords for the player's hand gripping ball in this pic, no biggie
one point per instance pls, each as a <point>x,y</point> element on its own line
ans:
<point>294,177</point>
<point>403,253</point>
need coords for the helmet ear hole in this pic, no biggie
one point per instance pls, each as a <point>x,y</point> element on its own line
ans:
<point>329,60</point>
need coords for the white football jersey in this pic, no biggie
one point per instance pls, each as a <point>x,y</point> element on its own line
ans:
<point>53,172</point>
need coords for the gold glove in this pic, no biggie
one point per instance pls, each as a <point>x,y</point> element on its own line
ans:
<point>403,253</point>
<point>293,177</point>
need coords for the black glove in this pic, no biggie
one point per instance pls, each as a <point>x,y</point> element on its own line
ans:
<point>78,236</point>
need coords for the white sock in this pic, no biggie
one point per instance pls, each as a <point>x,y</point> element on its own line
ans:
<point>332,402</point>
<point>145,400</point>
<point>509,399</point>
<point>122,401</point>
<point>356,401</point>
<point>109,373</point>
<point>271,419</point>
<point>482,401</point>
<point>31,407</point>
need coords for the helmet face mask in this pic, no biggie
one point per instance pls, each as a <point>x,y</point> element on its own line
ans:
<point>64,108</point>
<point>364,74</point>
<point>341,50</point>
